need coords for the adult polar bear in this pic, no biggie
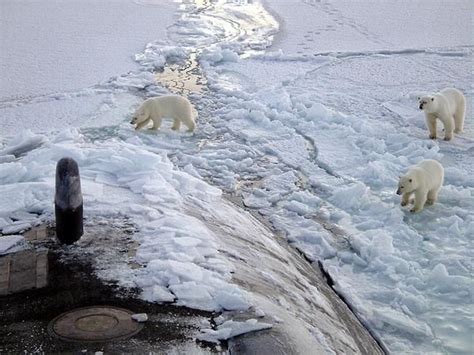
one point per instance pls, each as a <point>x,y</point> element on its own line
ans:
<point>169,106</point>
<point>449,106</point>
<point>424,180</point>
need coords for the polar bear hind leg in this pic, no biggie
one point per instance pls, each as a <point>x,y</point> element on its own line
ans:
<point>191,125</point>
<point>432,196</point>
<point>448,122</point>
<point>459,115</point>
<point>176,124</point>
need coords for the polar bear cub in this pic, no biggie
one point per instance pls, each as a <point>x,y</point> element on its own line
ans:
<point>424,180</point>
<point>449,106</point>
<point>169,106</point>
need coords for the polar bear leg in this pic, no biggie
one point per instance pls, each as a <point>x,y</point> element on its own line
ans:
<point>431,125</point>
<point>176,124</point>
<point>142,124</point>
<point>405,199</point>
<point>432,196</point>
<point>156,124</point>
<point>448,122</point>
<point>420,199</point>
<point>191,125</point>
<point>459,115</point>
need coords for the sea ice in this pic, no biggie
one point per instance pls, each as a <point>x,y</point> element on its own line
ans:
<point>230,329</point>
<point>140,317</point>
<point>11,244</point>
<point>312,134</point>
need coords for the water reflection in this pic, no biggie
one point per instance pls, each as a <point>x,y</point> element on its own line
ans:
<point>183,79</point>
<point>234,22</point>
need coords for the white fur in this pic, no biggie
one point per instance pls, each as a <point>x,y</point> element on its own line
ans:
<point>424,180</point>
<point>170,106</point>
<point>449,106</point>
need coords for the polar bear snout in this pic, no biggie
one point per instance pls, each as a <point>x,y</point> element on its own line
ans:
<point>399,192</point>
<point>427,103</point>
<point>423,104</point>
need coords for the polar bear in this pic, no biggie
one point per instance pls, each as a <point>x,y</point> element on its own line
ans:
<point>169,106</point>
<point>449,106</point>
<point>424,181</point>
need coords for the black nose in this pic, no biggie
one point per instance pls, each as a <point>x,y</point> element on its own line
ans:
<point>399,192</point>
<point>131,122</point>
<point>421,106</point>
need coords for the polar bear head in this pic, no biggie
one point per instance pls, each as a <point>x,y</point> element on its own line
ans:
<point>407,184</point>
<point>141,114</point>
<point>428,103</point>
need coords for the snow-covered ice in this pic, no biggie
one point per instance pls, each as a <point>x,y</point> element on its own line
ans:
<point>183,259</point>
<point>55,60</point>
<point>11,243</point>
<point>311,133</point>
<point>140,317</point>
<point>50,48</point>
<point>230,329</point>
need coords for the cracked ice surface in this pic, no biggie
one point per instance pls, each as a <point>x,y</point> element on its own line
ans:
<point>312,134</point>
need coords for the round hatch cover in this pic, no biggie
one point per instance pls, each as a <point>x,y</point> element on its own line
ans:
<point>94,324</point>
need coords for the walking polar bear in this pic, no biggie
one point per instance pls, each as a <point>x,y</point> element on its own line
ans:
<point>169,106</point>
<point>449,106</point>
<point>424,180</point>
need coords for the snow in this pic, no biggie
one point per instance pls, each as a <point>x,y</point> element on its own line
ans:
<point>32,47</point>
<point>363,26</point>
<point>16,227</point>
<point>22,144</point>
<point>11,243</point>
<point>157,53</point>
<point>183,261</point>
<point>140,317</point>
<point>230,329</point>
<point>341,130</point>
<point>51,77</point>
<point>312,133</point>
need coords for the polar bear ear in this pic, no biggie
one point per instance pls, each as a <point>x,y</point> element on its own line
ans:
<point>418,98</point>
